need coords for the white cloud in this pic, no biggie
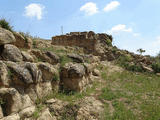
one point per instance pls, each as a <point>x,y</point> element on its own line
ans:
<point>34,10</point>
<point>119,28</point>
<point>111,6</point>
<point>89,8</point>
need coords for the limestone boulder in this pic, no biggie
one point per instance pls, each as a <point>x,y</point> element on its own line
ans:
<point>49,73</point>
<point>74,77</point>
<point>12,117</point>
<point>24,74</point>
<point>11,53</point>
<point>27,112</point>
<point>27,57</point>
<point>54,59</point>
<point>76,58</point>
<point>12,100</point>
<point>38,91</point>
<point>6,36</point>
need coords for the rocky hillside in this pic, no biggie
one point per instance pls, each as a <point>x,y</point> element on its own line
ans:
<point>78,76</point>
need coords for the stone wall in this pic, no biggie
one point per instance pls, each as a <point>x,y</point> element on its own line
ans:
<point>86,40</point>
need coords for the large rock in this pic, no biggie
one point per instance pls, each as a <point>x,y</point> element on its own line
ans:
<point>11,53</point>
<point>4,79</point>
<point>12,101</point>
<point>76,58</point>
<point>49,73</point>
<point>39,90</point>
<point>54,59</point>
<point>22,41</point>
<point>27,57</point>
<point>27,112</point>
<point>24,74</point>
<point>6,37</point>
<point>74,77</point>
<point>12,117</point>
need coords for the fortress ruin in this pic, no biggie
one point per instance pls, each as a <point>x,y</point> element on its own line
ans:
<point>87,40</point>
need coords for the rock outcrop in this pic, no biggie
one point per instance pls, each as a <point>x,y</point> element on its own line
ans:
<point>6,37</point>
<point>22,41</point>
<point>74,77</point>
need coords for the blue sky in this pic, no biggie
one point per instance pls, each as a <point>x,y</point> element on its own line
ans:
<point>133,23</point>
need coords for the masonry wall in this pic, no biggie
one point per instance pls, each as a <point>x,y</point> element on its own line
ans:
<point>86,40</point>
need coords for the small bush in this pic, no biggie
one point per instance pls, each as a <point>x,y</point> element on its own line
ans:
<point>156,67</point>
<point>124,61</point>
<point>109,42</point>
<point>6,25</point>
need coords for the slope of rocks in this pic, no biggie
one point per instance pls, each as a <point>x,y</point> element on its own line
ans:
<point>35,73</point>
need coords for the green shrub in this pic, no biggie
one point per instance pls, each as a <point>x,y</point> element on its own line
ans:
<point>109,42</point>
<point>156,67</point>
<point>124,61</point>
<point>6,25</point>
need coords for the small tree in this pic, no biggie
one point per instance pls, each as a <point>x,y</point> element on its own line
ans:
<point>5,24</point>
<point>141,51</point>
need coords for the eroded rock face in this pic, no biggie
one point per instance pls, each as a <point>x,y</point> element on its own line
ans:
<point>11,53</point>
<point>74,77</point>
<point>6,37</point>
<point>12,101</point>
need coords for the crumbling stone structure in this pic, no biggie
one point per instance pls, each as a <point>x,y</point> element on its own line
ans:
<point>87,40</point>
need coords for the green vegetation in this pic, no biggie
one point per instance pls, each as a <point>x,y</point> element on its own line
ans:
<point>125,62</point>
<point>64,59</point>
<point>56,77</point>
<point>10,73</point>
<point>141,51</point>
<point>38,111</point>
<point>6,25</point>
<point>132,96</point>
<point>156,67</point>
<point>109,42</point>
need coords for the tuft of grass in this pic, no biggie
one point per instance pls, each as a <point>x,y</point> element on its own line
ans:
<point>64,59</point>
<point>6,25</point>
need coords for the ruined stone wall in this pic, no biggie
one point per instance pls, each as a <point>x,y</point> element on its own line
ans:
<point>86,40</point>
